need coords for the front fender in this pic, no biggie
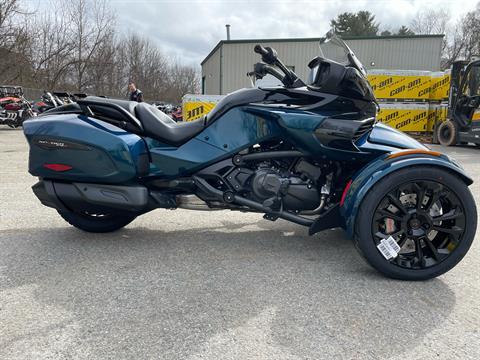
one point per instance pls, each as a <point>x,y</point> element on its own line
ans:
<point>368,176</point>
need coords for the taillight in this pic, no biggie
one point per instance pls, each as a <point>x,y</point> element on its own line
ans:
<point>344,194</point>
<point>57,167</point>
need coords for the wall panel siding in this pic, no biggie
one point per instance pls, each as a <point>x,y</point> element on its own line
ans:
<point>399,54</point>
<point>239,59</point>
<point>386,53</point>
<point>211,71</point>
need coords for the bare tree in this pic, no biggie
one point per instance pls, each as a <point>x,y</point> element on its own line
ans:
<point>51,47</point>
<point>470,34</point>
<point>9,11</point>
<point>102,72</point>
<point>183,80</point>
<point>13,41</point>
<point>430,21</point>
<point>465,38</point>
<point>144,64</point>
<point>73,46</point>
<point>92,25</point>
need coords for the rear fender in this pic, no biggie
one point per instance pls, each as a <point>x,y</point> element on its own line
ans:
<point>368,176</point>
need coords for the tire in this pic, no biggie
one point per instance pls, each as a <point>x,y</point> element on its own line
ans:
<point>366,239</point>
<point>96,223</point>
<point>447,133</point>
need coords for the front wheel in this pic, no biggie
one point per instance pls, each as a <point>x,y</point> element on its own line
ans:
<point>416,223</point>
<point>96,223</point>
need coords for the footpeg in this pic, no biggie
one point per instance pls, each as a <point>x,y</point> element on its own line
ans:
<point>272,203</point>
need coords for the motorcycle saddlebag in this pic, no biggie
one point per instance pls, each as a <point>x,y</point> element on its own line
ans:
<point>75,147</point>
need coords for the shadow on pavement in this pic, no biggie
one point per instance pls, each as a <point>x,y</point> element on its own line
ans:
<point>208,291</point>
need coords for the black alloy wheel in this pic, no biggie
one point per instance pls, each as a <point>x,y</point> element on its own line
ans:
<point>429,213</point>
<point>425,218</point>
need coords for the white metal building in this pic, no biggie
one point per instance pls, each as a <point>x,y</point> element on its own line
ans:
<point>225,67</point>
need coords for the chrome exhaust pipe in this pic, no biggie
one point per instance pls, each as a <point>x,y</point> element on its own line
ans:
<point>192,202</point>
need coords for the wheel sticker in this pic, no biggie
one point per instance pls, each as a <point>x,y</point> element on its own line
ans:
<point>388,248</point>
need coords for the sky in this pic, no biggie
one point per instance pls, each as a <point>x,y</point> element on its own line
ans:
<point>188,30</point>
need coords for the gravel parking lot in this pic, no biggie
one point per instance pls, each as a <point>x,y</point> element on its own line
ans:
<point>214,285</point>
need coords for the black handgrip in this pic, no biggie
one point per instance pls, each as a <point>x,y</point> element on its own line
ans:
<point>259,49</point>
<point>269,55</point>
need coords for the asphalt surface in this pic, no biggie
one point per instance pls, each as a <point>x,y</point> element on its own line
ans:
<point>214,285</point>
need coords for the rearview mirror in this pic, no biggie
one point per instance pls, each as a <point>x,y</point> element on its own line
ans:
<point>253,79</point>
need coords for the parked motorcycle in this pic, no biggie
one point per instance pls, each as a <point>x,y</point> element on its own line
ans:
<point>47,102</point>
<point>51,100</point>
<point>14,108</point>
<point>174,112</point>
<point>310,153</point>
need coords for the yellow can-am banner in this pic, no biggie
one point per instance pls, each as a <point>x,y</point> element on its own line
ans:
<point>400,84</point>
<point>414,117</point>
<point>195,106</point>
<point>440,85</point>
<point>437,114</point>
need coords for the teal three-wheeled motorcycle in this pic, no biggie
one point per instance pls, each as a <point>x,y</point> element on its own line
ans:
<point>306,152</point>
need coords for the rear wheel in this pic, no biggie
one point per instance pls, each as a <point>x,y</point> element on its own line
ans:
<point>447,133</point>
<point>96,223</point>
<point>430,215</point>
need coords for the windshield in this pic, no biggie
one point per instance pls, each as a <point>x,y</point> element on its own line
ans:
<point>336,49</point>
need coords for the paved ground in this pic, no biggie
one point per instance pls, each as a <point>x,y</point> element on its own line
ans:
<point>214,285</point>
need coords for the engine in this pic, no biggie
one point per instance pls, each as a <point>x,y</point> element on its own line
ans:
<point>273,189</point>
<point>297,186</point>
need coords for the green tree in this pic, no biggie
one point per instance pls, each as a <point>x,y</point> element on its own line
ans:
<point>404,31</point>
<point>361,23</point>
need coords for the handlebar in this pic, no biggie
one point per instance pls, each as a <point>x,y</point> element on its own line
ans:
<point>262,69</point>
<point>259,49</point>
<point>274,72</point>
<point>269,56</point>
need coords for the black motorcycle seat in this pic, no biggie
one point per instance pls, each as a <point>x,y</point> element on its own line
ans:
<point>161,127</point>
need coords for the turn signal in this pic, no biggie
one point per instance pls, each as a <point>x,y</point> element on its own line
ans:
<point>413,152</point>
